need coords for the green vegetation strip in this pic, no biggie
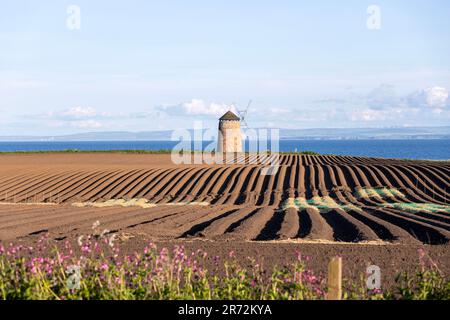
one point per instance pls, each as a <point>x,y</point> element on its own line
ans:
<point>378,193</point>
<point>161,151</point>
<point>417,207</point>
<point>101,272</point>
<point>322,204</point>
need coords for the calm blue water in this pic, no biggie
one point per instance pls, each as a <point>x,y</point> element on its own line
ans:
<point>408,149</point>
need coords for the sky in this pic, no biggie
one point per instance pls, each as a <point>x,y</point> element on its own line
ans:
<point>138,65</point>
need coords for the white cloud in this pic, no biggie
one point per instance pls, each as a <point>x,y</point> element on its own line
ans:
<point>198,107</point>
<point>279,111</point>
<point>90,118</point>
<point>433,97</point>
<point>86,124</point>
<point>74,113</point>
<point>385,115</point>
<point>79,113</point>
<point>382,97</point>
<point>383,105</point>
<point>436,97</point>
<point>77,117</point>
<point>367,115</point>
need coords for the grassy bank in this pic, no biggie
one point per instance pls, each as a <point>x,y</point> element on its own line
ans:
<point>160,151</point>
<point>99,271</point>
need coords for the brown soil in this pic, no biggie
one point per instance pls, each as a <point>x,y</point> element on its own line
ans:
<point>243,204</point>
<point>245,208</point>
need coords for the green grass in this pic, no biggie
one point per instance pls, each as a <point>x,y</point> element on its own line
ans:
<point>309,153</point>
<point>161,151</point>
<point>169,151</point>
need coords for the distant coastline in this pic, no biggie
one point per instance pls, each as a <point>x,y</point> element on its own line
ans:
<point>405,133</point>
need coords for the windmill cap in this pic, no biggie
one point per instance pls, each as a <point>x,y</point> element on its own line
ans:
<point>230,116</point>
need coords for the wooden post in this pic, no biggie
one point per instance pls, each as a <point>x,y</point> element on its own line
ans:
<point>335,279</point>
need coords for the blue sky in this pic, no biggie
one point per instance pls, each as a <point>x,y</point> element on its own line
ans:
<point>154,65</point>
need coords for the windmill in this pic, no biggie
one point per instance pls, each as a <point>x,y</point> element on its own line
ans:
<point>243,114</point>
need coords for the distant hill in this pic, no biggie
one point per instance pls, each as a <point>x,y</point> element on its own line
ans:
<point>291,134</point>
<point>368,133</point>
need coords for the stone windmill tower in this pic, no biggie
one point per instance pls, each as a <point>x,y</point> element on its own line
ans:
<point>230,138</point>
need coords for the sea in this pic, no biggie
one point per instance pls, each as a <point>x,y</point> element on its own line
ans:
<point>425,149</point>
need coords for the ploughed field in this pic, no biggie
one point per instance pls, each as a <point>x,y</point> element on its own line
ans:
<point>326,198</point>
